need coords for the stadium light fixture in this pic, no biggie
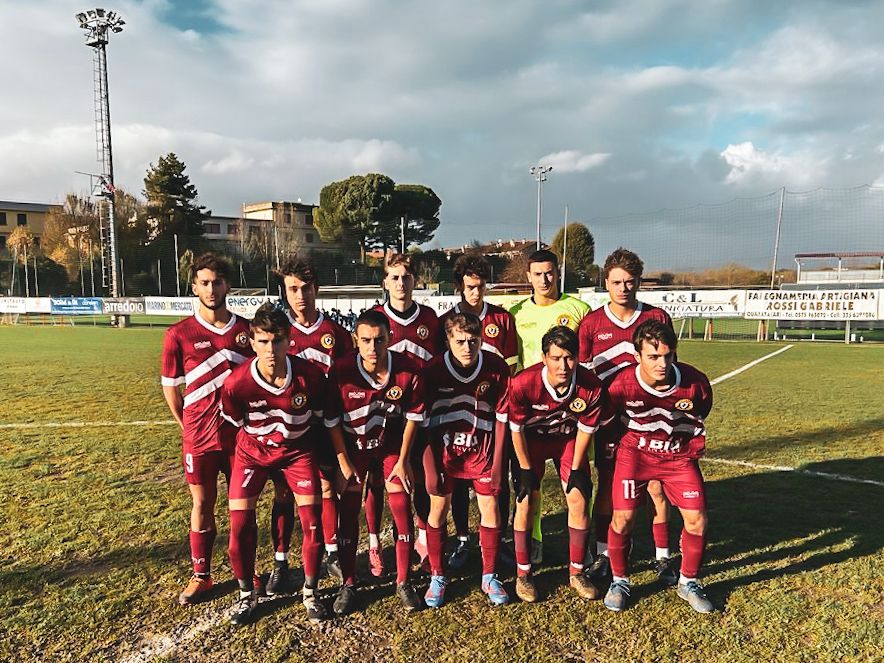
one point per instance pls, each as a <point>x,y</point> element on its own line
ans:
<point>540,172</point>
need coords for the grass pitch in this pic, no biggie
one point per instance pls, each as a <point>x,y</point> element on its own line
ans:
<point>93,531</point>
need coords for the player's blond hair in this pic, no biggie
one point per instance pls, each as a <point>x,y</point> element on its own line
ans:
<point>401,259</point>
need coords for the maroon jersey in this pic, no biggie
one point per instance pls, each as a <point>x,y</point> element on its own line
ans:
<point>417,336</point>
<point>321,343</point>
<point>201,356</point>
<point>463,411</point>
<point>606,341</point>
<point>541,415</point>
<point>372,414</point>
<point>667,424</point>
<point>498,331</point>
<point>275,416</point>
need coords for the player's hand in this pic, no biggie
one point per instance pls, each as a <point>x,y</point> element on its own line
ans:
<point>580,480</point>
<point>345,477</point>
<point>401,471</point>
<point>528,483</point>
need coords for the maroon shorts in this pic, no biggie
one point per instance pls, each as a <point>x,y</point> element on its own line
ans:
<point>482,484</point>
<point>561,453</point>
<point>379,462</point>
<point>253,463</point>
<point>202,469</point>
<point>681,479</point>
<point>326,457</point>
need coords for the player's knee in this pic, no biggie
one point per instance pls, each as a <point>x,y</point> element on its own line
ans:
<point>622,521</point>
<point>655,490</point>
<point>695,522</point>
<point>576,501</point>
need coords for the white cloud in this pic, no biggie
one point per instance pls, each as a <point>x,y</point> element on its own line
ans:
<point>574,161</point>
<point>750,164</point>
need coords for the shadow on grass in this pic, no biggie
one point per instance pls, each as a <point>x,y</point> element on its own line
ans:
<point>829,521</point>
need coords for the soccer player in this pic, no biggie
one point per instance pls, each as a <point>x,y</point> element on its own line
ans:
<point>662,405</point>
<point>606,347</point>
<point>466,391</point>
<point>199,352</point>
<point>321,341</point>
<point>471,275</point>
<point>414,331</point>
<point>555,408</point>
<point>543,310</point>
<point>378,409</point>
<point>273,400</point>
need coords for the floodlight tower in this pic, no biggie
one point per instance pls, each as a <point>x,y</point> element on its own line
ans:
<point>539,173</point>
<point>98,24</point>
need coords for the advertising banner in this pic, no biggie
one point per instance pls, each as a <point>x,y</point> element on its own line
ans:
<point>123,305</point>
<point>170,305</point>
<point>812,304</point>
<point>246,305</point>
<point>697,303</point>
<point>75,306</point>
<point>14,304</point>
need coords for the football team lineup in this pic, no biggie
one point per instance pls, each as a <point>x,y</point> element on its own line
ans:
<point>377,406</point>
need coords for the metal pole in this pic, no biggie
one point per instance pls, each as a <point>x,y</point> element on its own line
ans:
<point>177,275</point>
<point>402,225</point>
<point>159,277</point>
<point>539,196</point>
<point>36,278</point>
<point>14,263</point>
<point>80,259</point>
<point>565,252</point>
<point>122,279</point>
<point>92,268</point>
<point>27,278</point>
<point>776,251</point>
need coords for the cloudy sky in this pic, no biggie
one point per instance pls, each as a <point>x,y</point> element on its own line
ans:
<point>639,105</point>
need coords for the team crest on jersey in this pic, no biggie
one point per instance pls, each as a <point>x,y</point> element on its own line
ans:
<point>299,400</point>
<point>564,320</point>
<point>242,339</point>
<point>492,330</point>
<point>483,387</point>
<point>685,405</point>
<point>423,332</point>
<point>577,405</point>
<point>394,393</point>
<point>327,341</point>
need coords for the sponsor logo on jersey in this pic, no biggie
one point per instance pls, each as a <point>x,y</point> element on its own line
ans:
<point>304,483</point>
<point>202,345</point>
<point>423,332</point>
<point>242,339</point>
<point>327,341</point>
<point>564,320</point>
<point>356,394</point>
<point>539,406</point>
<point>299,400</point>
<point>394,393</point>
<point>577,405</point>
<point>492,330</point>
<point>257,403</point>
<point>691,494</point>
<point>685,404</point>
<point>604,336</point>
<point>484,479</point>
<point>483,387</point>
<point>634,403</point>
<point>446,390</point>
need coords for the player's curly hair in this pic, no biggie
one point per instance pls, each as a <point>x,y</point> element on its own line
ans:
<point>221,266</point>
<point>562,337</point>
<point>626,260</point>
<point>401,259</point>
<point>300,269</point>
<point>543,255</point>
<point>372,318</point>
<point>471,265</point>
<point>655,333</point>
<point>269,318</point>
<point>466,322</point>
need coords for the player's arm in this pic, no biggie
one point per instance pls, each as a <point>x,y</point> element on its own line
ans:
<point>517,417</point>
<point>414,417</point>
<point>172,377</point>
<point>501,412</point>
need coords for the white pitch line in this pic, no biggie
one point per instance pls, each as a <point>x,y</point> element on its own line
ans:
<point>797,470</point>
<point>86,424</point>
<point>727,376</point>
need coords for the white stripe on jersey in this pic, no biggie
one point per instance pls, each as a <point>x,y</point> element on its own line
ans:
<point>461,415</point>
<point>235,422</point>
<point>466,399</point>
<point>669,414</point>
<point>369,424</point>
<point>277,427</point>
<point>207,365</point>
<point>362,411</point>
<point>171,382</point>
<point>491,348</point>
<point>662,425</point>
<point>293,419</point>
<point>409,346</point>
<point>312,354</point>
<point>208,388</point>
<point>587,429</point>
